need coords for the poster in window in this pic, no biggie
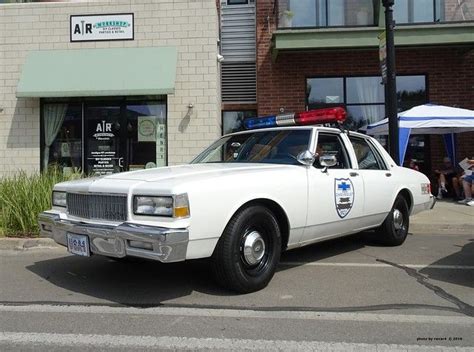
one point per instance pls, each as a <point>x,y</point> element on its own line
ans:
<point>146,129</point>
<point>65,150</point>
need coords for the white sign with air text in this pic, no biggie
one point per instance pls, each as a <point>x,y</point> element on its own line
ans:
<point>101,27</point>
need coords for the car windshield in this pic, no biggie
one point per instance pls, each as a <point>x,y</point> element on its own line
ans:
<point>273,147</point>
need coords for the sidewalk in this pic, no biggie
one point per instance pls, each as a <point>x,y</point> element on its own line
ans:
<point>446,217</point>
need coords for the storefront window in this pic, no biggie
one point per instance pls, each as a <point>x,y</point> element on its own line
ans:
<point>321,91</point>
<point>146,135</point>
<point>62,136</point>
<point>411,91</point>
<point>363,97</point>
<point>233,121</point>
<point>119,134</point>
<point>364,100</point>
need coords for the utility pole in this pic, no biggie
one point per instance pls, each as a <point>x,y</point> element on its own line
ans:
<point>391,84</point>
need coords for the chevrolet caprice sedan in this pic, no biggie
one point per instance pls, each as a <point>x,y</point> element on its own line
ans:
<point>242,202</point>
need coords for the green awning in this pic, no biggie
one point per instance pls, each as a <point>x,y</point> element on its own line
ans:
<point>98,72</point>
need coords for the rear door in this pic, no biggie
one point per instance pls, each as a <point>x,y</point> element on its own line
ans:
<point>379,183</point>
<point>335,194</point>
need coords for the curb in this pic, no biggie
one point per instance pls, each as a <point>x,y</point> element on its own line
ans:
<point>23,244</point>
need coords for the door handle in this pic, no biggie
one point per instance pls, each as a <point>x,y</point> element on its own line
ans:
<point>388,174</point>
<point>120,162</point>
<point>353,174</point>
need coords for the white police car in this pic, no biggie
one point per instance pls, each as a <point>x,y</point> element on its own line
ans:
<point>244,200</point>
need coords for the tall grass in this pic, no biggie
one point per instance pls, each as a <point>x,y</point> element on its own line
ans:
<point>23,197</point>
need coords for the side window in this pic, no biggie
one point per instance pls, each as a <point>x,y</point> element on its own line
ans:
<point>367,157</point>
<point>331,144</point>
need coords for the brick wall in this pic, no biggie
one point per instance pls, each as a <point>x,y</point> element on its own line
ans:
<point>190,25</point>
<point>281,84</point>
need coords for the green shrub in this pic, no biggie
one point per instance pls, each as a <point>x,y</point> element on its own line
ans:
<point>23,197</point>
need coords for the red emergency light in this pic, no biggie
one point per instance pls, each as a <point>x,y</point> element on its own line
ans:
<point>320,116</point>
<point>311,117</point>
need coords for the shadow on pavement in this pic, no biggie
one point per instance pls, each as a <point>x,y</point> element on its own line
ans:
<point>142,283</point>
<point>465,257</point>
<point>330,248</point>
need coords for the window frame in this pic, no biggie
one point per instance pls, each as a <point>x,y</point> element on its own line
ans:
<point>377,155</point>
<point>344,78</point>
<point>348,160</point>
<point>252,111</point>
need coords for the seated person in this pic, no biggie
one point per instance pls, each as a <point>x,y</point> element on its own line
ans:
<point>447,176</point>
<point>468,185</point>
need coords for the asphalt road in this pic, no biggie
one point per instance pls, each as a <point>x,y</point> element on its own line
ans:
<point>345,294</point>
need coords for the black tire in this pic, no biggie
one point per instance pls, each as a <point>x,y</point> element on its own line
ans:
<point>231,267</point>
<point>394,229</point>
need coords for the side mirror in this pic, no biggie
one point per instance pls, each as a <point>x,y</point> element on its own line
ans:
<point>306,158</point>
<point>327,160</point>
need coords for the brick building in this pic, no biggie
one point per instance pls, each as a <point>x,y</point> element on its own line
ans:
<point>107,86</point>
<point>312,54</point>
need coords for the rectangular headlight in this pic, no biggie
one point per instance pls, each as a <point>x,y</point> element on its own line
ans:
<point>175,206</point>
<point>158,206</point>
<point>59,199</point>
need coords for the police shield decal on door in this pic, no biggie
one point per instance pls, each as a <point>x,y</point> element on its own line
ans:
<point>343,196</point>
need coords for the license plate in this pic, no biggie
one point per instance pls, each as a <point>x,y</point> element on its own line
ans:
<point>78,244</point>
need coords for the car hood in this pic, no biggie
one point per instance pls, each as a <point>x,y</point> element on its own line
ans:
<point>190,170</point>
<point>165,178</point>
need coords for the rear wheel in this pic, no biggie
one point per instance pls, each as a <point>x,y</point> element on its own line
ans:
<point>248,251</point>
<point>394,229</point>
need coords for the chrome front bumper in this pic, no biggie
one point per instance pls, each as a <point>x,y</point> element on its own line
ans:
<point>126,239</point>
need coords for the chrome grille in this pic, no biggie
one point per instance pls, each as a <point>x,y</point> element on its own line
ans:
<point>97,206</point>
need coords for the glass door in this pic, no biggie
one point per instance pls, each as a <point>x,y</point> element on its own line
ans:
<point>104,136</point>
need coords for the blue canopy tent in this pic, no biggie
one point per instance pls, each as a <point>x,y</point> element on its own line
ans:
<point>428,119</point>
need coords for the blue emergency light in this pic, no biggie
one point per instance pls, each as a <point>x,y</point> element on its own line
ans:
<point>311,117</point>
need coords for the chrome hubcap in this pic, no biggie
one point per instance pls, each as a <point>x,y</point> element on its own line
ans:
<point>254,248</point>
<point>397,219</point>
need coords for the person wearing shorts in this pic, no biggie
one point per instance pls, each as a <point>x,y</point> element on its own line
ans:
<point>447,175</point>
<point>467,182</point>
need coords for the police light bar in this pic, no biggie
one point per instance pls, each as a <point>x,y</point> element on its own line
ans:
<point>311,117</point>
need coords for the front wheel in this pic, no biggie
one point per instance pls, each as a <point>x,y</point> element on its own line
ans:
<point>248,251</point>
<point>394,229</point>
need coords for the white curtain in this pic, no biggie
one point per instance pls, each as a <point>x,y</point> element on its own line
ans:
<point>53,117</point>
<point>369,91</point>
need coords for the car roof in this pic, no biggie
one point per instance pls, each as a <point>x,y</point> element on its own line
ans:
<point>319,128</point>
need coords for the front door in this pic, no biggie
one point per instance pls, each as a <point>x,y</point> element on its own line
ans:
<point>104,136</point>
<point>335,194</point>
